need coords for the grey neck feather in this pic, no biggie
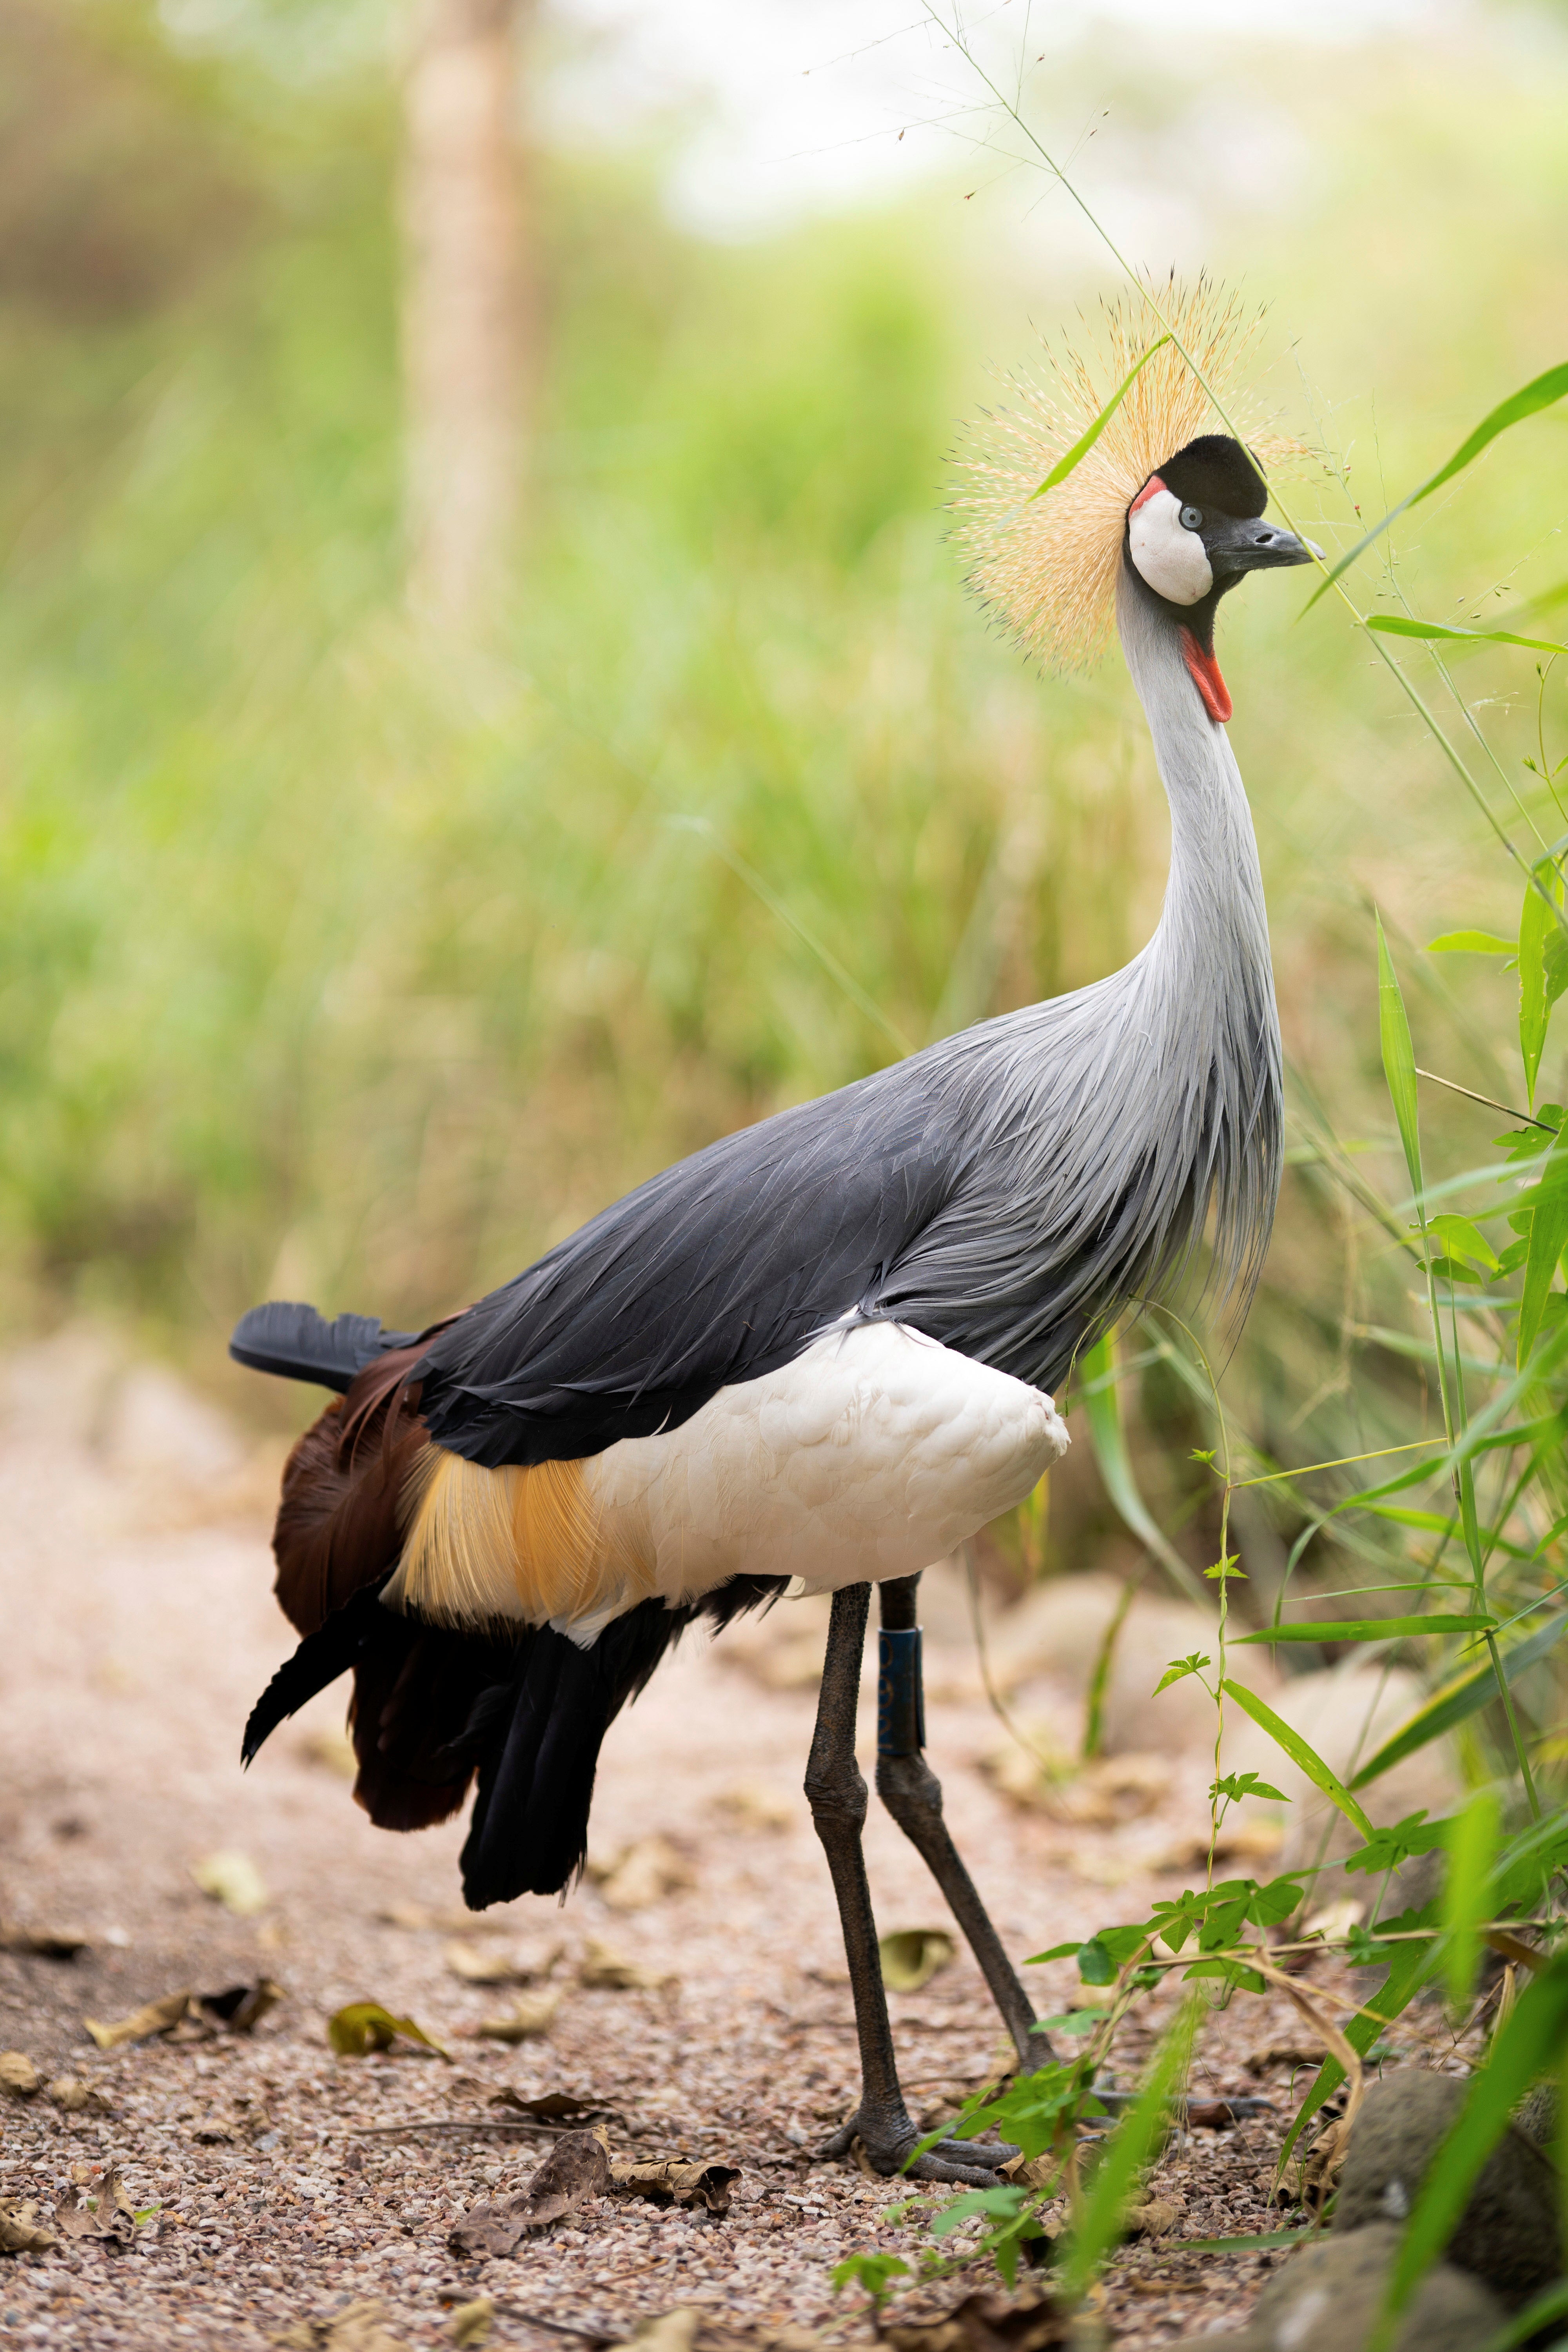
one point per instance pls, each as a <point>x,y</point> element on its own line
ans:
<point>1105,1130</point>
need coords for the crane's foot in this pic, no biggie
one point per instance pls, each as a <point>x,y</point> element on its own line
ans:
<point>967,2163</point>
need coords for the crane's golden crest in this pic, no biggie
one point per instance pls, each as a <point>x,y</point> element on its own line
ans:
<point>1047,566</point>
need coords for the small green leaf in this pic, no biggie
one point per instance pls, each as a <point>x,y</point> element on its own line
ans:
<point>1057,1952</point>
<point>1226,1569</point>
<point>874,2272</point>
<point>1396,624</point>
<point>999,2204</point>
<point>913,1956</point>
<point>1541,393</point>
<point>1367,1629</point>
<point>1081,447</point>
<point>1203,1454</point>
<point>1399,1059</point>
<point>1300,1753</point>
<point>1236,1785</point>
<point>1462,1239</point>
<point>1179,1669</point>
<point>1471,943</point>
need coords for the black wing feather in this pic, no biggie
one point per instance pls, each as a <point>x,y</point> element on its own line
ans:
<point>718,1270</point>
<point>298,1344</point>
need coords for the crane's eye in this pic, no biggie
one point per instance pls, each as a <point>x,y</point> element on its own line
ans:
<point>1191,519</point>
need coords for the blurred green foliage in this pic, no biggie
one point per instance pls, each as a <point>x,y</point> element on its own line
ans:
<point>336,963</point>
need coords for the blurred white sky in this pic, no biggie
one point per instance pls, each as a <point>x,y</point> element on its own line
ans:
<point>797,105</point>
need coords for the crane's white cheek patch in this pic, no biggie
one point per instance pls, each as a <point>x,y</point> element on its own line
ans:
<point>1169,559</point>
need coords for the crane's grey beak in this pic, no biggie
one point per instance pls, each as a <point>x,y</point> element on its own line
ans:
<point>1234,546</point>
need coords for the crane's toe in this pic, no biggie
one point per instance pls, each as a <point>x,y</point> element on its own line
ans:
<point>970,2164</point>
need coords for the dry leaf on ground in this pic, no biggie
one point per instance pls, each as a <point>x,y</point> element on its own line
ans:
<point>475,1966</point>
<point>154,2016</point>
<point>240,2009</point>
<point>525,2021</point>
<point>18,2076</point>
<point>471,2323</point>
<point>913,1956</point>
<point>576,2167</point>
<point>982,2323</point>
<point>72,2095</point>
<point>109,2215</point>
<point>1269,2054</point>
<point>364,2025</point>
<point>642,1875</point>
<point>232,1879</point>
<point>334,1750</point>
<point>44,1943</point>
<point>752,1805</point>
<point>21,2232</point>
<point>360,2327</point>
<point>604,1969</point>
<point>675,2180</point>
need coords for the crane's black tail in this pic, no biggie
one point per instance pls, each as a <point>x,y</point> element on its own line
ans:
<point>299,1344</point>
<point>537,1741</point>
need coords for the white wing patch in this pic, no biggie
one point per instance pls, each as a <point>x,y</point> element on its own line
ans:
<point>873,1454</point>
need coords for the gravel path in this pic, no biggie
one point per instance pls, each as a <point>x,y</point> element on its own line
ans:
<point>139,1628</point>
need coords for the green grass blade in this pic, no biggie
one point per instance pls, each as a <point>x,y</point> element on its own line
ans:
<point>1085,442</point>
<point>1548,1239</point>
<point>1464,1696</point>
<point>1551,2303</point>
<point>1300,1753</point>
<point>1398,1061</point>
<point>1523,2051</point>
<point>1540,393</point>
<point>1108,1435</point>
<point>1472,1843</point>
<point>1471,943</point>
<point>1131,2144</point>
<point>1397,624</point>
<point>1366,1629</point>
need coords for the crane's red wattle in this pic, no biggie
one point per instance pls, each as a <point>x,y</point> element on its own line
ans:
<point>1203,670</point>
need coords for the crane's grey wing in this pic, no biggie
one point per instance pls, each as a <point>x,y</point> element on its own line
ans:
<point>718,1270</point>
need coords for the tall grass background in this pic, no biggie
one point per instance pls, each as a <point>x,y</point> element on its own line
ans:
<point>337,963</point>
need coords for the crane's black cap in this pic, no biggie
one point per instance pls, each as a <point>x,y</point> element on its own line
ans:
<point>1213,471</point>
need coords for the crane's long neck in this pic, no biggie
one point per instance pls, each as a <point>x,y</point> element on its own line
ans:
<point>1212,946</point>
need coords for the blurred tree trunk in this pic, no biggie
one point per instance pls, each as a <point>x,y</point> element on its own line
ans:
<point>467,288</point>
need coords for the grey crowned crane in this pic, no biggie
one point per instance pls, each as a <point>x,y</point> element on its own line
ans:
<point>822,1348</point>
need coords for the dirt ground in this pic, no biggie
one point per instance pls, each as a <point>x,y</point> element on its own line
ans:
<point>138,1629</point>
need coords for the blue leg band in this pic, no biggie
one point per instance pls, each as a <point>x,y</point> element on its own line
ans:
<point>900,1695</point>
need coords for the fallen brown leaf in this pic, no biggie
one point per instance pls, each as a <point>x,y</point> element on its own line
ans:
<point>1270,2055</point>
<point>364,2025</point>
<point>45,1943</point>
<point>18,2076</point>
<point>232,1879</point>
<point>604,1969</point>
<point>360,2327</point>
<point>71,2094</point>
<point>752,1805</point>
<point>1153,2218</point>
<point>239,2008</point>
<point>471,2323</point>
<point>675,2180</point>
<point>524,2022</point>
<point>506,1966</point>
<point>21,2232</point>
<point>576,2167</point>
<point>154,2017</point>
<point>983,2323</point>
<point>642,1875</point>
<point>913,1956</point>
<point>109,2215</point>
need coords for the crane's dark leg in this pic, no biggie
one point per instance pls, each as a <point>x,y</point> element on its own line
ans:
<point>912,1794</point>
<point>837,1793</point>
